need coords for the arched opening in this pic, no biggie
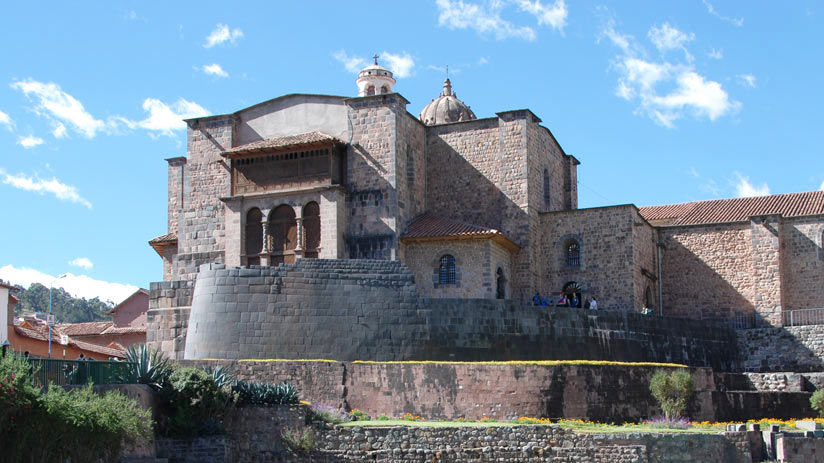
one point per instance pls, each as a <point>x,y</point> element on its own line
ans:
<point>572,291</point>
<point>573,253</point>
<point>546,189</point>
<point>283,230</point>
<point>254,236</point>
<point>446,270</point>
<point>384,89</point>
<point>370,90</point>
<point>311,230</point>
<point>648,301</point>
<point>500,284</point>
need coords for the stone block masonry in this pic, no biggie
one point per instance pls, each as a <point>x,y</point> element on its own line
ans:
<point>370,310</point>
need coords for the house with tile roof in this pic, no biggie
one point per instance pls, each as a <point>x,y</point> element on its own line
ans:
<point>474,208</point>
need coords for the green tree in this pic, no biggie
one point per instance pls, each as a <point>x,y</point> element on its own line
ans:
<point>65,307</point>
<point>817,401</point>
<point>672,391</point>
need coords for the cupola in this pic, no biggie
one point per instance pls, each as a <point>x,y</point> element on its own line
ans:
<point>375,80</point>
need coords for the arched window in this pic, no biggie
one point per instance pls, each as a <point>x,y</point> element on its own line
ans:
<point>648,302</point>
<point>283,229</point>
<point>573,254</point>
<point>500,284</point>
<point>254,236</point>
<point>546,189</point>
<point>311,230</point>
<point>446,270</point>
<point>370,90</point>
<point>384,89</point>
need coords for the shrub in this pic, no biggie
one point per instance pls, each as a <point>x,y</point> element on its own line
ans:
<point>327,414</point>
<point>221,375</point>
<point>147,367</point>
<point>252,393</point>
<point>298,440</point>
<point>672,391</point>
<point>196,404</point>
<point>817,402</point>
<point>359,415</point>
<point>17,395</point>
<point>663,422</point>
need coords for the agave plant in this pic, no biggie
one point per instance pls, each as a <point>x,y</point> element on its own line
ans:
<point>222,376</point>
<point>252,393</point>
<point>145,366</point>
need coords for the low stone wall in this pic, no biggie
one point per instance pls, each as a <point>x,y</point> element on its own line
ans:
<point>792,348</point>
<point>797,449</point>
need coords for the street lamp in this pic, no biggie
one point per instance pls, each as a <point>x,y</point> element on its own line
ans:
<point>51,321</point>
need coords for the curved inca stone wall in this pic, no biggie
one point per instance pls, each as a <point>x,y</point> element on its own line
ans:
<point>370,310</point>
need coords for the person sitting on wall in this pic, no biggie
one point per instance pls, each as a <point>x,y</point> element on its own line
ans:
<point>586,302</point>
<point>646,310</point>
<point>575,301</point>
<point>562,301</point>
<point>536,300</point>
<point>544,302</point>
<point>593,305</point>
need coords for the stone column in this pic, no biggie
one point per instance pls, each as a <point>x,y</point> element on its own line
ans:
<point>299,222</point>
<point>266,246</point>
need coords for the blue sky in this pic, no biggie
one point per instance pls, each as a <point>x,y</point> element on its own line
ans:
<point>662,102</point>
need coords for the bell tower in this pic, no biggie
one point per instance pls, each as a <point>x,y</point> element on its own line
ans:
<point>375,80</point>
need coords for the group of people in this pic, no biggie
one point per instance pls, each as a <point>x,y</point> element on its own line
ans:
<point>564,301</point>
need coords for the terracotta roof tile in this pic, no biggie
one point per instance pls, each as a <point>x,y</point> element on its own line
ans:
<point>83,329</point>
<point>167,238</point>
<point>430,227</point>
<point>281,143</point>
<point>736,209</point>
<point>124,330</point>
<point>42,335</point>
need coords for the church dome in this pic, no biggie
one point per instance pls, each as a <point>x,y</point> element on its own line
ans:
<point>446,108</point>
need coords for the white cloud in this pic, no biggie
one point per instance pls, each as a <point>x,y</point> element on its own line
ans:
<point>745,189</point>
<point>55,187</point>
<point>822,186</point>
<point>30,141</point>
<point>734,21</point>
<point>60,107</point>
<point>666,38</point>
<point>76,285</point>
<point>5,119</point>
<point>59,130</point>
<point>351,63</point>
<point>401,65</point>
<point>221,34</point>
<point>82,262</point>
<point>665,91</point>
<point>553,15</point>
<point>165,118</point>
<point>747,80</point>
<point>716,54</point>
<point>485,20</point>
<point>214,69</point>
<point>483,60</point>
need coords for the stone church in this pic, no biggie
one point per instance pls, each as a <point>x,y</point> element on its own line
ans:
<point>474,208</point>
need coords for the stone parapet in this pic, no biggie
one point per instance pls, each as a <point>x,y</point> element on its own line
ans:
<point>791,348</point>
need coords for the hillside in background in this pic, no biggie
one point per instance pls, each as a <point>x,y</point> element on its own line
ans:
<point>65,307</point>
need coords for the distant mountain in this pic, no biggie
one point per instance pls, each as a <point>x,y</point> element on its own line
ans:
<point>66,309</point>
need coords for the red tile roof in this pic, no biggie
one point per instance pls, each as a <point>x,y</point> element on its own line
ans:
<point>83,329</point>
<point>429,228</point>
<point>736,209</point>
<point>42,335</point>
<point>162,241</point>
<point>124,330</point>
<point>290,141</point>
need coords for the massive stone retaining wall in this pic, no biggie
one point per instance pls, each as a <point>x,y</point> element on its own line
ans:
<point>790,348</point>
<point>606,393</point>
<point>370,310</point>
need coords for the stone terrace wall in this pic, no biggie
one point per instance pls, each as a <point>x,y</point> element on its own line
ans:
<point>791,348</point>
<point>369,310</point>
<point>527,443</point>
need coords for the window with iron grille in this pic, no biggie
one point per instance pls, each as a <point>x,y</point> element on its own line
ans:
<point>446,270</point>
<point>573,254</point>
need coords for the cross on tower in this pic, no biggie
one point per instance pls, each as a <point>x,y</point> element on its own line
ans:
<point>376,58</point>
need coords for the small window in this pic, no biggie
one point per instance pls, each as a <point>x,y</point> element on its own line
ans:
<point>573,250</point>
<point>384,89</point>
<point>500,284</point>
<point>446,270</point>
<point>370,90</point>
<point>546,189</point>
